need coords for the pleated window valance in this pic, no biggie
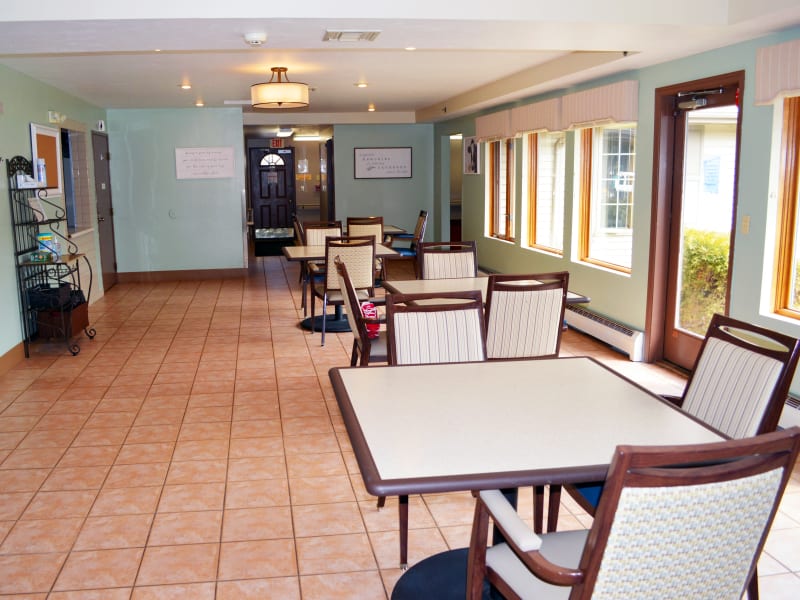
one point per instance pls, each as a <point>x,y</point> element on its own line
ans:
<point>777,72</point>
<point>494,126</point>
<point>539,116</point>
<point>616,103</point>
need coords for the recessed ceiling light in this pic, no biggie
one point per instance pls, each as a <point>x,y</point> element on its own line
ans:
<point>157,50</point>
<point>185,86</point>
<point>371,108</point>
<point>360,84</point>
<point>199,103</point>
<point>410,48</point>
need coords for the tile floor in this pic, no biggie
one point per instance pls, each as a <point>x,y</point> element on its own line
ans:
<point>194,450</point>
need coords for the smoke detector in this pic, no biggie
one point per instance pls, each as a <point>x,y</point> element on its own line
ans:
<point>255,39</point>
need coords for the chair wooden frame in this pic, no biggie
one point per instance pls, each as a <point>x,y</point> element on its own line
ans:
<point>329,290</point>
<point>428,252</point>
<point>771,455</point>
<point>313,233</point>
<point>413,240</point>
<point>364,347</point>
<point>515,329</point>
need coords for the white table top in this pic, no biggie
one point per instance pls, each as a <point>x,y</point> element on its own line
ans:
<point>298,253</point>
<point>467,426</point>
<point>459,284</point>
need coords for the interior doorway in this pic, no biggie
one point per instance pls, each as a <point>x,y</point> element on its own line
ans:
<point>698,125</point>
<point>105,210</point>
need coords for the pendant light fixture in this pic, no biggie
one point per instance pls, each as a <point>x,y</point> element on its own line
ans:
<point>279,92</point>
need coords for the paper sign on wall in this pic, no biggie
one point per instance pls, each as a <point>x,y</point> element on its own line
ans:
<point>204,163</point>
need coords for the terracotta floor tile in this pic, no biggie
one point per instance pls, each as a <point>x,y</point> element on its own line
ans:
<point>41,536</point>
<point>316,465</point>
<point>101,594</point>
<point>248,469</point>
<point>126,501</point>
<point>327,519</point>
<point>159,416</point>
<point>285,588</point>
<point>22,480</point>
<point>62,504</point>
<point>320,490</point>
<point>218,399</point>
<point>256,446</point>
<point>27,573</point>
<point>253,494</point>
<point>178,564</point>
<point>89,456</point>
<point>254,559</point>
<point>256,428</point>
<point>191,497</point>
<point>170,529</point>
<point>110,419</point>
<point>152,433</point>
<point>148,474</point>
<point>311,444</point>
<point>335,554</point>
<point>421,544</point>
<point>306,425</point>
<point>108,436</point>
<point>197,471</point>
<point>262,410</point>
<point>186,591</point>
<point>205,431</point>
<point>119,531</point>
<point>208,414</point>
<point>257,523</point>
<point>344,586</point>
<point>76,478</point>
<point>155,452</point>
<point>59,438</point>
<point>99,569</point>
<point>32,458</point>
<point>11,439</point>
<point>201,450</point>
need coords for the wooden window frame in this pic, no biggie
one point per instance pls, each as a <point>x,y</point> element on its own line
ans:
<point>505,232</point>
<point>788,198</point>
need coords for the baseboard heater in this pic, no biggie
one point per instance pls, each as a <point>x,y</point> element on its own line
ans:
<point>626,340</point>
<point>791,413</point>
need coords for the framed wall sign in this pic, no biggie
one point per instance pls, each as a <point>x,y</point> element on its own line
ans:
<point>472,156</point>
<point>382,163</point>
<point>46,145</point>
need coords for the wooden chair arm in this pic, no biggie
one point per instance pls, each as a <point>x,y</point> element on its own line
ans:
<point>676,400</point>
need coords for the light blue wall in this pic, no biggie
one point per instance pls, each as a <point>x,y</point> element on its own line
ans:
<point>26,100</point>
<point>624,297</point>
<point>162,223</point>
<point>398,200</point>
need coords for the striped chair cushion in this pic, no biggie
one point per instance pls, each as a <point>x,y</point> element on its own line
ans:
<point>686,541</point>
<point>524,323</point>
<point>731,387</point>
<point>316,237</point>
<point>438,336</point>
<point>448,265</point>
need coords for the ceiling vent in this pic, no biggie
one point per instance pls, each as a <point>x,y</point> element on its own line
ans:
<point>350,35</point>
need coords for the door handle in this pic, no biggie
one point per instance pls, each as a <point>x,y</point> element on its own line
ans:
<point>100,219</point>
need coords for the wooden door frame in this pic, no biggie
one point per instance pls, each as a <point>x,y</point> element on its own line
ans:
<point>663,163</point>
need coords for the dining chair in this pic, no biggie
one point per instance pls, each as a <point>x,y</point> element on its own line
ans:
<point>407,253</point>
<point>674,522</point>
<point>358,252</point>
<point>365,347</point>
<point>524,314</point>
<point>373,226</point>
<point>314,234</point>
<point>447,260</point>
<point>435,327</point>
<point>738,386</point>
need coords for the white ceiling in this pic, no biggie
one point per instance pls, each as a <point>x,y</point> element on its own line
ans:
<point>469,54</point>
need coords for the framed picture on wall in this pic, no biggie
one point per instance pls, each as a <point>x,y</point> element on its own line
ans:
<point>382,163</point>
<point>46,146</point>
<point>472,156</point>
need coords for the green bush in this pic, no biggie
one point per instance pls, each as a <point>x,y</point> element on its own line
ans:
<point>705,276</point>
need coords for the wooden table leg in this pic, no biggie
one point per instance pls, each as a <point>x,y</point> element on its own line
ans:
<point>402,507</point>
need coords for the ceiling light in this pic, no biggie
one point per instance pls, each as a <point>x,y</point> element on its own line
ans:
<point>199,104</point>
<point>307,138</point>
<point>371,108</point>
<point>285,132</point>
<point>255,39</point>
<point>411,48</point>
<point>185,86</point>
<point>279,92</point>
<point>360,84</point>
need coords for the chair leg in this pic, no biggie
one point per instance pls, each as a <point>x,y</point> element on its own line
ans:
<point>752,586</point>
<point>554,502</point>
<point>354,354</point>
<point>538,508</point>
<point>324,317</point>
<point>313,307</point>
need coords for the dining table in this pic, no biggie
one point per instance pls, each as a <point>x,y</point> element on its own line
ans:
<point>421,429</point>
<point>457,284</point>
<point>338,323</point>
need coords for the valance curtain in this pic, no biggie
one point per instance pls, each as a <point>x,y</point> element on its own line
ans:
<point>494,126</point>
<point>615,103</point>
<point>777,72</point>
<point>538,116</point>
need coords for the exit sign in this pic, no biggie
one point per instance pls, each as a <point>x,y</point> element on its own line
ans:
<point>276,143</point>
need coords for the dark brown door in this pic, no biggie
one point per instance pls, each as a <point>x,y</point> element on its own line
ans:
<point>701,123</point>
<point>272,188</point>
<point>105,209</point>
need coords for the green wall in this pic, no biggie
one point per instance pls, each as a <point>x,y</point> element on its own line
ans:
<point>24,101</point>
<point>398,200</point>
<point>162,223</point>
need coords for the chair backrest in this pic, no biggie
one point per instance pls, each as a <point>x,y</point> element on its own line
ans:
<point>366,226</point>
<point>447,260</point>
<point>299,237</point>
<point>351,304</point>
<point>676,521</point>
<point>427,332</point>
<point>741,378</point>
<point>358,253</point>
<point>525,314</point>
<point>419,230</point>
<point>315,232</point>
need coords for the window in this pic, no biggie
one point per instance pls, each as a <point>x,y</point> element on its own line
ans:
<point>606,173</point>
<point>501,189</point>
<point>787,296</point>
<point>546,166</point>
<point>77,200</point>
